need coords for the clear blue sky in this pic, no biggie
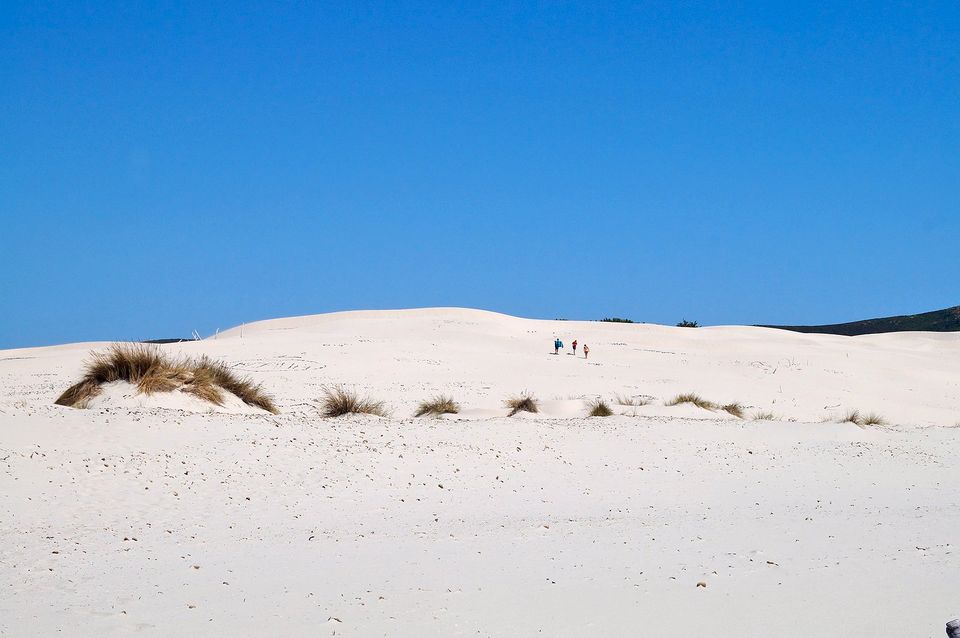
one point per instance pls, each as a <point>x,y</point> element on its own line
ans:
<point>177,166</point>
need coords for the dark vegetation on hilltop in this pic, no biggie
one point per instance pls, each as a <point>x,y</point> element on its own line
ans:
<point>947,320</point>
<point>682,324</point>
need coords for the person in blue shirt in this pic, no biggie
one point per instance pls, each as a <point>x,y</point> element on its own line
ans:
<point>557,344</point>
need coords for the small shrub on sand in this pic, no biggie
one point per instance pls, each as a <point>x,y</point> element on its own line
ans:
<point>853,416</point>
<point>694,399</point>
<point>437,405</point>
<point>631,401</point>
<point>338,401</point>
<point>599,407</point>
<point>733,408</point>
<point>873,419</point>
<point>151,370</point>
<point>524,402</point>
<point>688,324</point>
<point>764,416</point>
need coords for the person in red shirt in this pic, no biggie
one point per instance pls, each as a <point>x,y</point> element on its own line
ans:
<point>574,344</point>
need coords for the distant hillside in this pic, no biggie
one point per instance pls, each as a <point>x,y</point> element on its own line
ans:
<point>947,320</point>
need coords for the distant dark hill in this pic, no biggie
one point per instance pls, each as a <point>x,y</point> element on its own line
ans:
<point>947,320</point>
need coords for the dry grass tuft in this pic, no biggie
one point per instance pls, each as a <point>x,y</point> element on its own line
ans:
<point>79,394</point>
<point>873,419</point>
<point>733,408</point>
<point>525,402</point>
<point>217,374</point>
<point>764,416</point>
<point>338,401</point>
<point>599,407</point>
<point>204,383</point>
<point>438,405</point>
<point>151,370</point>
<point>631,401</point>
<point>695,399</point>
<point>853,416</point>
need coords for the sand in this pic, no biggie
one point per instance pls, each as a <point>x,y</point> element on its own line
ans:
<point>162,516</point>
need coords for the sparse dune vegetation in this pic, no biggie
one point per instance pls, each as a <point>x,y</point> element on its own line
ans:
<point>582,439</point>
<point>852,416</point>
<point>437,406</point>
<point>153,371</point>
<point>873,419</point>
<point>733,408</point>
<point>693,399</point>
<point>524,402</point>
<point>338,401</point>
<point>855,417</point>
<point>599,407</point>
<point>621,399</point>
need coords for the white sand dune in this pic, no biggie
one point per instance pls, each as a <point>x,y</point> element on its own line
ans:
<point>160,516</point>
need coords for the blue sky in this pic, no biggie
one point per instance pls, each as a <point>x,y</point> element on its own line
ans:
<point>174,167</point>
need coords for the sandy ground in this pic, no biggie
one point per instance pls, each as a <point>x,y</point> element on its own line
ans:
<point>161,517</point>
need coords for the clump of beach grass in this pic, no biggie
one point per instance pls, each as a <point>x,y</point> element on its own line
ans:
<point>79,394</point>
<point>733,408</point>
<point>524,402</point>
<point>855,417</point>
<point>599,407</point>
<point>694,399</point>
<point>338,401</point>
<point>438,405</point>
<point>873,419</point>
<point>852,416</point>
<point>215,374</point>
<point>761,415</point>
<point>151,371</point>
<point>620,399</point>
